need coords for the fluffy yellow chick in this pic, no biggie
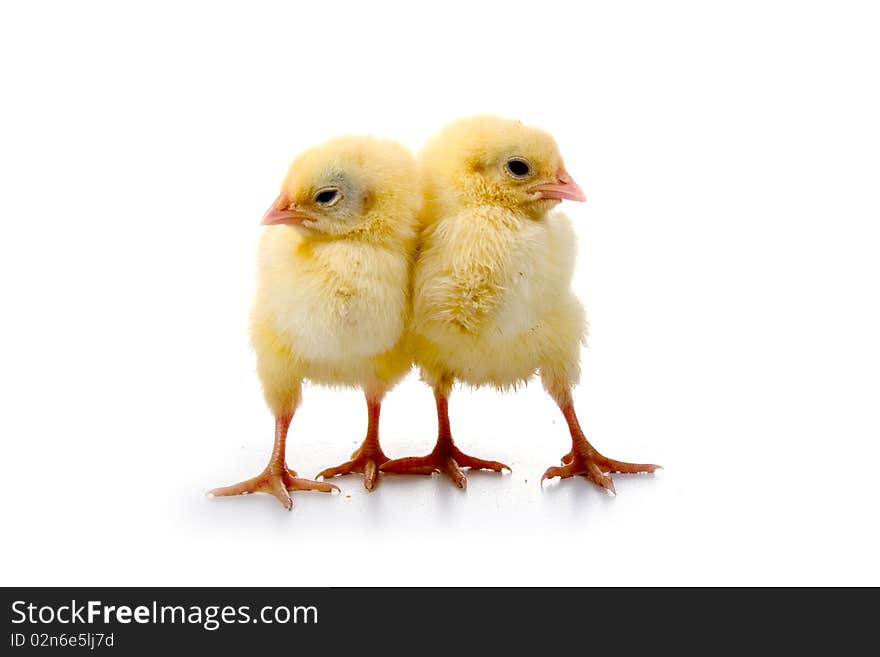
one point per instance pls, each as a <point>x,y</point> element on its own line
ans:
<point>492,299</point>
<point>332,296</point>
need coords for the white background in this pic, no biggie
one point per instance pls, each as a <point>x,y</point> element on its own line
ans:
<point>729,262</point>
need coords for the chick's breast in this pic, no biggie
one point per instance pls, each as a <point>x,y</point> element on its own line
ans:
<point>493,300</point>
<point>333,301</point>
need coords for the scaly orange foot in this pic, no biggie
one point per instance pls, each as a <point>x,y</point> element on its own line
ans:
<point>446,458</point>
<point>365,462</point>
<point>274,481</point>
<point>369,456</point>
<point>589,463</point>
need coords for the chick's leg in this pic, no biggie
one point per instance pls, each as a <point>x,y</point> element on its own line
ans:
<point>584,460</point>
<point>277,479</point>
<point>369,456</point>
<point>445,457</point>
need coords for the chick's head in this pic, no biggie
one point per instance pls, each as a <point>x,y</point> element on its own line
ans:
<point>350,188</point>
<point>496,161</point>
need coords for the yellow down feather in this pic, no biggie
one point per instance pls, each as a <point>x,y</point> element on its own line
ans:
<point>492,284</point>
<point>332,298</point>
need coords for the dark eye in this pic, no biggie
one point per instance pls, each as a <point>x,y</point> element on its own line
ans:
<point>518,167</point>
<point>327,196</point>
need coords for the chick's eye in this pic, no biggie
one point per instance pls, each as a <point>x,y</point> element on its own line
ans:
<point>327,197</point>
<point>518,167</point>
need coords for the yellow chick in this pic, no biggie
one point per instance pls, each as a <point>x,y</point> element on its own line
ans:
<point>492,299</point>
<point>332,297</point>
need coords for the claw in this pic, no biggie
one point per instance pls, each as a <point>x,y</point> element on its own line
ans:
<point>552,472</point>
<point>371,471</point>
<point>454,471</point>
<point>279,490</point>
<point>623,467</point>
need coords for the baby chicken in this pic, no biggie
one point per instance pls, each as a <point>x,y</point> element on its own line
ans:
<point>332,295</point>
<point>492,300</point>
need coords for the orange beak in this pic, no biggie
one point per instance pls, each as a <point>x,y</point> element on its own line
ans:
<point>281,212</point>
<point>564,188</point>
